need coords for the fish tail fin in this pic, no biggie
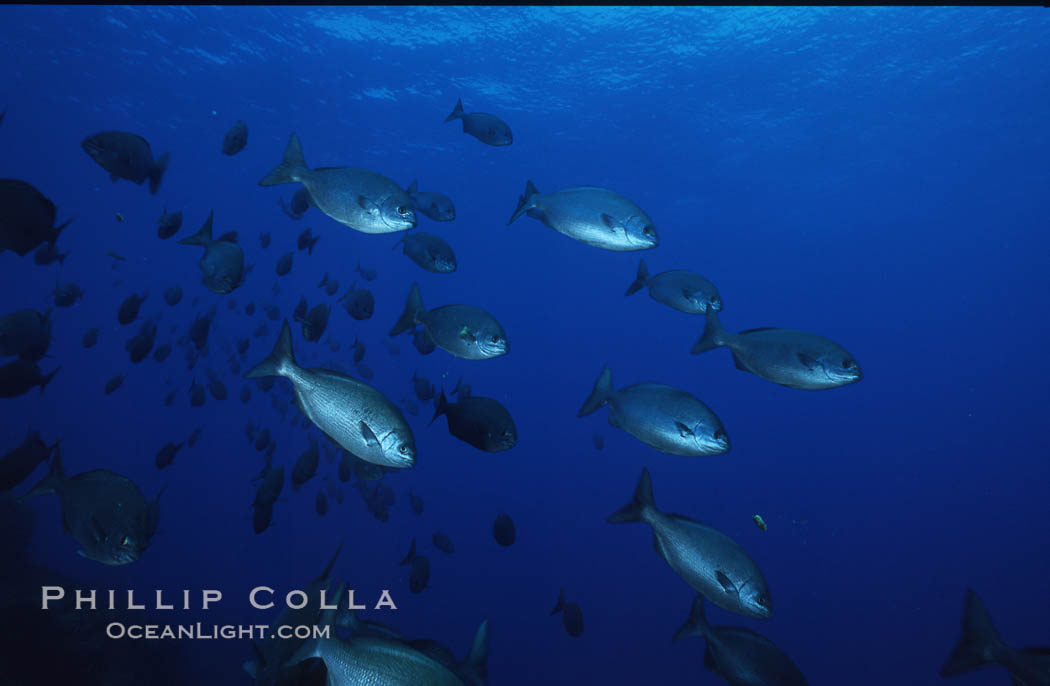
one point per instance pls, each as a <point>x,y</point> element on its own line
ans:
<point>413,188</point>
<point>457,112</point>
<point>331,563</point>
<point>160,165</point>
<point>440,406</point>
<point>980,643</point>
<point>400,241</point>
<point>459,386</point>
<point>281,360</point>
<point>524,202</point>
<point>56,475</point>
<point>47,379</point>
<point>203,235</point>
<point>411,554</point>
<point>324,281</point>
<point>59,229</point>
<point>560,605</point>
<point>640,280</point>
<point>714,335</point>
<point>292,166</point>
<point>696,623</point>
<point>413,308</point>
<point>599,396</point>
<point>636,510</point>
<point>474,670</point>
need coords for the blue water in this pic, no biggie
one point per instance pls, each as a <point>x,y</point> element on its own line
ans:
<point>877,176</point>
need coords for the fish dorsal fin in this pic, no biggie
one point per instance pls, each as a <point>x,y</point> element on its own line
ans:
<point>610,222</point>
<point>761,328</point>
<point>683,518</point>
<point>371,440</point>
<point>727,584</point>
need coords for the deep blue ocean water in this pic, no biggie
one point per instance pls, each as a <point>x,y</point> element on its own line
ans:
<point>877,176</point>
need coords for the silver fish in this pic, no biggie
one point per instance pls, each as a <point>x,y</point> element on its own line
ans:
<point>461,330</point>
<point>739,655</point>
<point>594,216</point>
<point>795,359</point>
<point>436,206</point>
<point>428,251</point>
<point>683,290</point>
<point>369,660</point>
<point>361,199</point>
<point>666,418</point>
<point>709,561</point>
<point>353,414</point>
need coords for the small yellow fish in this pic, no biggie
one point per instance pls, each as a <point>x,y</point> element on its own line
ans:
<point>120,217</point>
<point>759,522</point>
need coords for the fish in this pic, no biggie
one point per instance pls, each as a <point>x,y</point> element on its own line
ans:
<point>234,140</point>
<point>665,418</point>
<point>473,670</point>
<point>436,206</point>
<point>166,455</point>
<point>129,309</point>
<point>27,218</point>
<point>359,350</point>
<point>272,484</point>
<point>299,204</point>
<point>487,128</point>
<point>321,503</point>
<point>67,294</point>
<point>428,251</point>
<point>422,387</point>
<point>169,399</point>
<point>980,645</point>
<point>264,240</point>
<point>25,334</point>
<point>115,256</point>
<point>464,331</point>
<point>595,216</point>
<point>443,543</point>
<point>738,655</point>
<point>105,512</point>
<point>679,289</point>
<point>461,390</point>
<point>359,303</point>
<point>713,564</point>
<point>120,217</point>
<point>20,376</point>
<point>759,522</point>
<point>481,422</point>
<point>503,530</point>
<point>90,338</point>
<point>194,436</point>
<point>331,286</point>
<point>140,345</point>
<point>200,329</point>
<point>114,383</point>
<point>222,266</point>
<point>17,465</point>
<point>169,224</point>
<point>217,389</point>
<point>795,359</point>
<point>366,274</point>
<point>126,156</point>
<point>249,309</point>
<point>197,396</point>
<point>306,466</point>
<point>572,615</point>
<point>307,241</point>
<point>48,253</point>
<point>246,394</point>
<point>415,502</point>
<point>284,264</point>
<point>262,517</point>
<point>360,199</point>
<point>173,296</point>
<point>422,342</point>
<point>420,574</point>
<point>314,322</point>
<point>353,414</point>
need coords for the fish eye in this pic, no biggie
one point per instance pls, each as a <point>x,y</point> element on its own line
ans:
<point>495,339</point>
<point>402,209</point>
<point>403,449</point>
<point>648,231</point>
<point>720,435</point>
<point>847,363</point>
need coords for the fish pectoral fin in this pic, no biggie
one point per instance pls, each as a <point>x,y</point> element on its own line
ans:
<point>727,585</point>
<point>738,364</point>
<point>807,361</point>
<point>466,335</point>
<point>683,430</point>
<point>371,440</point>
<point>366,204</point>
<point>610,222</point>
